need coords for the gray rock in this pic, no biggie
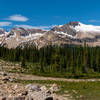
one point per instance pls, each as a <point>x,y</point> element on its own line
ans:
<point>31,87</point>
<point>4,74</point>
<point>24,93</point>
<point>7,78</point>
<point>16,98</point>
<point>43,88</point>
<point>11,79</point>
<point>29,98</point>
<point>12,98</point>
<point>2,98</point>
<point>54,88</point>
<point>28,86</point>
<point>40,95</point>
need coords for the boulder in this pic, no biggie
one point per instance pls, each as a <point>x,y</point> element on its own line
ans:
<point>7,78</point>
<point>40,95</point>
<point>29,98</point>
<point>28,86</point>
<point>16,98</point>
<point>2,98</point>
<point>4,74</point>
<point>24,93</point>
<point>54,88</point>
<point>32,88</point>
<point>43,88</point>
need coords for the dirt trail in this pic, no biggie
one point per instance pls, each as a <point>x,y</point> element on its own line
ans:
<point>33,77</point>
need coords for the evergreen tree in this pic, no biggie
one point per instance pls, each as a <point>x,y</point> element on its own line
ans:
<point>23,63</point>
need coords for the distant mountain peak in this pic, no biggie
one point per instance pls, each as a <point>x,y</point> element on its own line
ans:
<point>80,27</point>
<point>74,23</point>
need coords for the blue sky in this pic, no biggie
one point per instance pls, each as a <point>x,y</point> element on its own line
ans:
<point>47,13</point>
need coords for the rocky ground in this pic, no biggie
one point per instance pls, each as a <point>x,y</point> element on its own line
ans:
<point>12,90</point>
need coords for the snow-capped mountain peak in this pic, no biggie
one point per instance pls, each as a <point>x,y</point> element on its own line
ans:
<point>86,28</point>
<point>71,33</point>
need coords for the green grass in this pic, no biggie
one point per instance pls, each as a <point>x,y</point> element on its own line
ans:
<point>83,90</point>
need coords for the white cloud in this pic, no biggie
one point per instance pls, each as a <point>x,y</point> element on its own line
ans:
<point>35,27</point>
<point>5,24</point>
<point>94,21</point>
<point>17,18</point>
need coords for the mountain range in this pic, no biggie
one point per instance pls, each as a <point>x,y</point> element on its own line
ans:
<point>71,33</point>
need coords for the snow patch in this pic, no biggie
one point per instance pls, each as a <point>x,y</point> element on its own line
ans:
<point>60,25</point>
<point>62,33</point>
<point>6,33</point>
<point>14,35</point>
<point>34,36</point>
<point>86,28</point>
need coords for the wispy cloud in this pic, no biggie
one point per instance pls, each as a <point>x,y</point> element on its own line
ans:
<point>35,27</point>
<point>17,18</point>
<point>2,24</point>
<point>94,21</point>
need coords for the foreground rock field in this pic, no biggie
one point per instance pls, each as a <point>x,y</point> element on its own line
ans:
<point>12,90</point>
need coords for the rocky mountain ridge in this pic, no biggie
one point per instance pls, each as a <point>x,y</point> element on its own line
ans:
<point>71,33</point>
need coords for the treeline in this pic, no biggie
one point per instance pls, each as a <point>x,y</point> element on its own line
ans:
<point>54,59</point>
